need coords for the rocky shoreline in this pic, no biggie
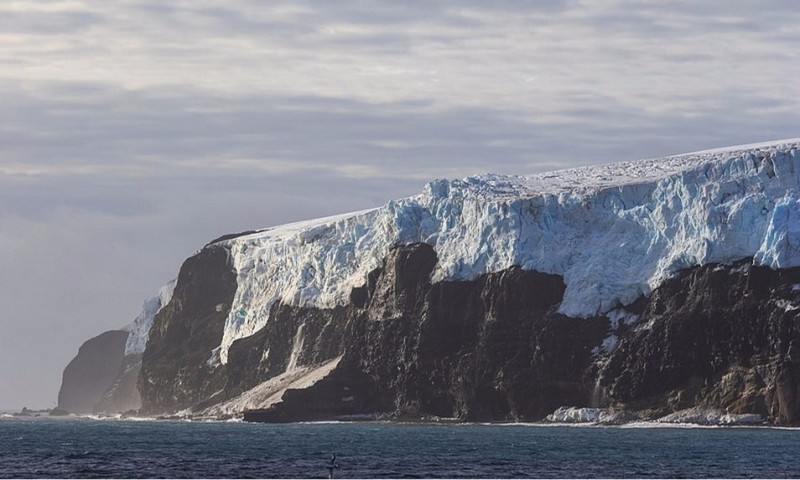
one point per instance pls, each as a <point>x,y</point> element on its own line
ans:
<point>573,416</point>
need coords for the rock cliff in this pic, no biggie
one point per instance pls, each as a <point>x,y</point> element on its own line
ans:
<point>92,372</point>
<point>496,348</point>
<point>639,289</point>
<point>103,377</point>
<point>718,335</point>
<point>175,372</point>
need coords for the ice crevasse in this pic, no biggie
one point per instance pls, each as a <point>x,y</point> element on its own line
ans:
<point>614,232</point>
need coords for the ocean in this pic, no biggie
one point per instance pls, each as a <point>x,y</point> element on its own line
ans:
<point>92,448</point>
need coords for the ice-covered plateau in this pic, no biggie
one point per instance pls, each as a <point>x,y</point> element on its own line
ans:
<point>614,232</point>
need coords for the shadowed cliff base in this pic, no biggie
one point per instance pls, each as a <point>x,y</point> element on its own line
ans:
<point>92,372</point>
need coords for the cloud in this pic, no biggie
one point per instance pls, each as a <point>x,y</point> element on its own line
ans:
<point>517,55</point>
<point>45,22</point>
<point>83,131</point>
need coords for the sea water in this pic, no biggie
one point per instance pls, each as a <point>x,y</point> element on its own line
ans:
<point>87,448</point>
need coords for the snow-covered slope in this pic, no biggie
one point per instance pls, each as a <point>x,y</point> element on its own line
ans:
<point>270,392</point>
<point>614,232</point>
<point>140,328</point>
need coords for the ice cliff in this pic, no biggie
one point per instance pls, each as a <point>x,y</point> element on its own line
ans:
<point>140,328</point>
<point>613,232</point>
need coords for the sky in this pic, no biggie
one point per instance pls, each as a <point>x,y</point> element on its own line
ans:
<point>132,132</point>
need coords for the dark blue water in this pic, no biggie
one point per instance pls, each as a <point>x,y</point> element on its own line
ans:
<point>128,449</point>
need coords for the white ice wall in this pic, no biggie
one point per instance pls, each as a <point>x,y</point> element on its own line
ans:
<point>614,232</point>
<point>140,328</point>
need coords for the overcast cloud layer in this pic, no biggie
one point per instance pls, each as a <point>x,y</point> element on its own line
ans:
<point>133,131</point>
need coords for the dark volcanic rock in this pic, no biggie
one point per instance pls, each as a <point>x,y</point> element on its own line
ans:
<point>92,372</point>
<point>494,348</point>
<point>724,336</point>
<point>292,337</point>
<point>488,349</point>
<point>345,393</point>
<point>175,372</point>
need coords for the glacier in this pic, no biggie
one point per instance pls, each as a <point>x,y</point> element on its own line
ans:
<point>140,328</point>
<point>613,232</point>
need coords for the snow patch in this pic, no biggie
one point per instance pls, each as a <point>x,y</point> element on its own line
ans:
<point>588,416</point>
<point>140,328</point>
<point>609,343</point>
<point>711,416</point>
<point>614,232</point>
<point>706,416</point>
<point>297,348</point>
<point>620,317</point>
<point>741,269</point>
<point>787,305</point>
<point>577,415</point>
<point>213,360</point>
<point>742,419</point>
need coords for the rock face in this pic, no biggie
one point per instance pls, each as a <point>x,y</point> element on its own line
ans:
<point>495,348</point>
<point>489,349</point>
<point>123,394</point>
<point>727,336</point>
<point>175,371</point>
<point>92,372</point>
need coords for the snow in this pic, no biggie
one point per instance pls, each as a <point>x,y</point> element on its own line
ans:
<point>609,343</point>
<point>614,232</point>
<point>700,415</point>
<point>270,392</point>
<point>578,415</point>
<point>711,416</point>
<point>619,317</point>
<point>140,328</point>
<point>787,305</point>
<point>781,246</point>
<point>616,319</point>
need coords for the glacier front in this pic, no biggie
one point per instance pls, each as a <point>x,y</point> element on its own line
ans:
<point>613,232</point>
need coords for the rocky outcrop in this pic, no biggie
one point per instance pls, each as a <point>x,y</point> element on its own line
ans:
<point>177,371</point>
<point>92,372</point>
<point>123,394</point>
<point>719,335</point>
<point>495,348</point>
<point>490,349</point>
